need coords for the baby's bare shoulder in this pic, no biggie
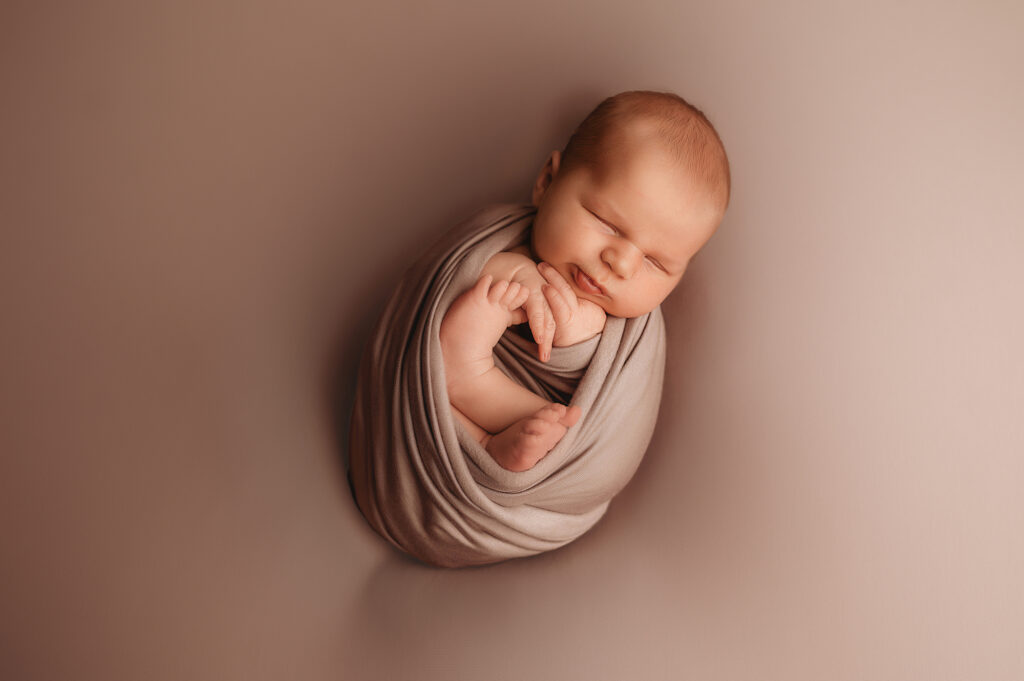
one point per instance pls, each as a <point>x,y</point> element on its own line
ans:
<point>508,264</point>
<point>522,250</point>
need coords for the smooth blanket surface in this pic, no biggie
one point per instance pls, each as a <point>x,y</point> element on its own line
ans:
<point>420,479</point>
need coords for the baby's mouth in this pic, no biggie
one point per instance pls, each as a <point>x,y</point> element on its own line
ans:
<point>587,284</point>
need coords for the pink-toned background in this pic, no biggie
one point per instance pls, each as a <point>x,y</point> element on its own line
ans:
<point>204,205</point>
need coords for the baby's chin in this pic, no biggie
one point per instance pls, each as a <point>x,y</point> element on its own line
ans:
<point>626,312</point>
<point>613,310</point>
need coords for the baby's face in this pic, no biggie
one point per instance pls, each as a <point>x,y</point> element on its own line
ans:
<point>622,237</point>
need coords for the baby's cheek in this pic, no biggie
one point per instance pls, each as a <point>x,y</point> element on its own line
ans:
<point>553,243</point>
<point>538,246</point>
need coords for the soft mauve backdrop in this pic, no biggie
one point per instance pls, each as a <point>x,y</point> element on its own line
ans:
<point>204,207</point>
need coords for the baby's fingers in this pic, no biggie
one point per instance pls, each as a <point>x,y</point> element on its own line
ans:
<point>515,296</point>
<point>560,309</point>
<point>512,300</point>
<point>558,281</point>
<point>517,316</point>
<point>498,290</point>
<point>544,351</point>
<point>482,285</point>
<point>538,314</point>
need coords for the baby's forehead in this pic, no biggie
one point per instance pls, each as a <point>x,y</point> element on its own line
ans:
<point>643,168</point>
<point>640,140</point>
<point>650,157</point>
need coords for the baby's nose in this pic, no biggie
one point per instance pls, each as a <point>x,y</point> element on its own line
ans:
<point>623,260</point>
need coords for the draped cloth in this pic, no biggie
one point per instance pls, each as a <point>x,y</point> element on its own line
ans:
<point>422,481</point>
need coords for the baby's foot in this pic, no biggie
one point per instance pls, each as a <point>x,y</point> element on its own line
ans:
<point>474,324</point>
<point>520,446</point>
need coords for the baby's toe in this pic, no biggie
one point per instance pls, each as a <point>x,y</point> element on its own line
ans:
<point>551,413</point>
<point>570,416</point>
<point>555,433</point>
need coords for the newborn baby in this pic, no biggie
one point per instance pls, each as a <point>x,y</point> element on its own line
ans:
<point>641,186</point>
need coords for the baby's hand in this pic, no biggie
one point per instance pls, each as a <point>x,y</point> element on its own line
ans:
<point>575,320</point>
<point>535,310</point>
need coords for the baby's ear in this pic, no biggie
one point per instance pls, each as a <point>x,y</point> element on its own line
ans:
<point>546,176</point>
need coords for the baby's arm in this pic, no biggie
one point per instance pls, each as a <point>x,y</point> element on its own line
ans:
<point>525,426</point>
<point>522,270</point>
<point>516,427</point>
<point>470,329</point>
<point>556,316</point>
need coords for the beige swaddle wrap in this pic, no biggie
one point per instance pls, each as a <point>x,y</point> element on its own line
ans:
<point>426,485</point>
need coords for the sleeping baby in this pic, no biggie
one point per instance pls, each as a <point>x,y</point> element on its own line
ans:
<point>512,384</point>
<point>641,186</point>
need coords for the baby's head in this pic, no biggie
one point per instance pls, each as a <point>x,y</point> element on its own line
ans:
<point>641,186</point>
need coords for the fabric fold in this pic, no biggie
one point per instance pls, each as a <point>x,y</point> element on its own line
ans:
<point>423,483</point>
